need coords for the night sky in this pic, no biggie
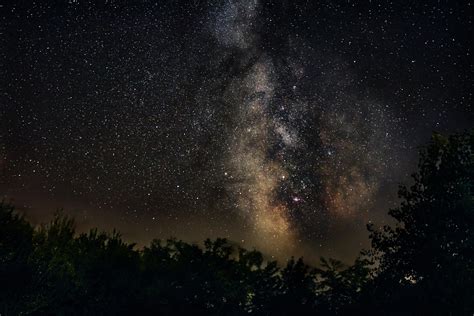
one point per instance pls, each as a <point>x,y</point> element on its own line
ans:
<point>281,125</point>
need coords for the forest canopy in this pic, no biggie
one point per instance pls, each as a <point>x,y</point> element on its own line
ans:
<point>423,264</point>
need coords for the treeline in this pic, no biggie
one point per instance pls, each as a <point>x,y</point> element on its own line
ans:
<point>424,265</point>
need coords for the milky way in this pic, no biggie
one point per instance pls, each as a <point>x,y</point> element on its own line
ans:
<point>264,169</point>
<point>254,177</point>
<point>285,127</point>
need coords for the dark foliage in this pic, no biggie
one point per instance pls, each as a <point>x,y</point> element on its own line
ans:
<point>426,263</point>
<point>423,266</point>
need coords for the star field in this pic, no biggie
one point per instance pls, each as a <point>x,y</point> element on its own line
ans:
<point>285,127</point>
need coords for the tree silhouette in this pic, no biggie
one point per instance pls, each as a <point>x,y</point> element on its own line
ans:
<point>16,245</point>
<point>340,287</point>
<point>426,262</point>
<point>423,265</point>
